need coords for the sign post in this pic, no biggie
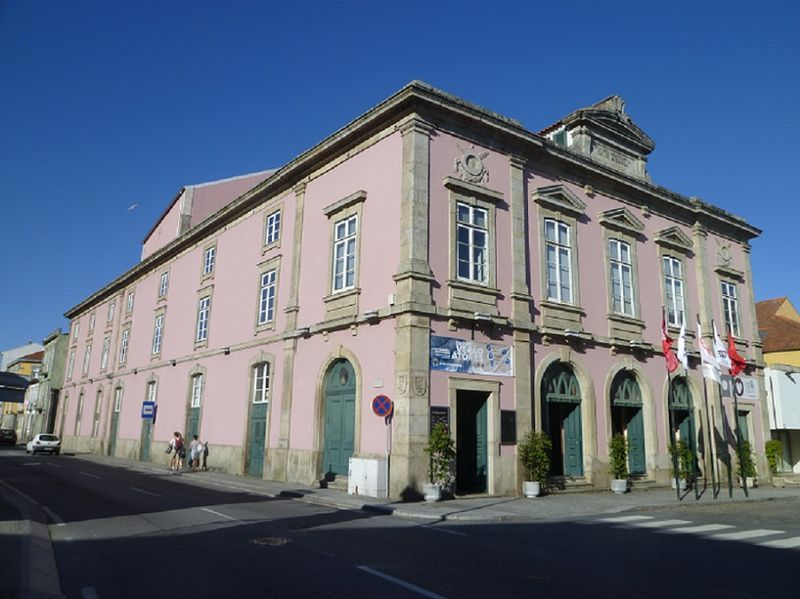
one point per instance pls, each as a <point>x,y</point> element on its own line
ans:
<point>383,407</point>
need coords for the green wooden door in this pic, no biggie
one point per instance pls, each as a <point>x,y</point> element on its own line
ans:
<point>147,435</point>
<point>573,442</point>
<point>562,418</point>
<point>635,430</point>
<point>340,418</point>
<point>741,421</point>
<point>112,440</point>
<point>192,422</point>
<point>472,455</point>
<point>481,449</point>
<point>256,439</point>
<point>626,413</point>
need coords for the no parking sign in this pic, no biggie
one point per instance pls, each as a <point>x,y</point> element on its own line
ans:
<point>382,406</point>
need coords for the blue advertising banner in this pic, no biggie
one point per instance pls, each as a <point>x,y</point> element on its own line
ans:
<point>459,355</point>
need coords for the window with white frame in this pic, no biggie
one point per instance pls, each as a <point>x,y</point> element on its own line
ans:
<point>730,307</point>
<point>673,291</point>
<point>619,255</point>
<point>98,406</point>
<point>129,304</point>
<point>558,256</point>
<point>123,346</point>
<point>158,333</point>
<point>266,299</point>
<point>111,307</point>
<point>104,354</point>
<point>472,245</point>
<point>87,355</point>
<point>91,322</point>
<point>163,284</point>
<point>76,329</point>
<point>117,399</point>
<point>272,228</point>
<point>203,308</point>
<point>344,253</point>
<point>70,364</point>
<point>79,415</point>
<point>261,376</point>
<point>197,390</point>
<point>152,389</point>
<point>208,260</point>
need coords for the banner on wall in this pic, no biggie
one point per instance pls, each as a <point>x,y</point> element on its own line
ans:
<point>459,355</point>
<point>745,387</point>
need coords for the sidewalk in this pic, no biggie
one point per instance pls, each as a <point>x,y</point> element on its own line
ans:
<point>479,508</point>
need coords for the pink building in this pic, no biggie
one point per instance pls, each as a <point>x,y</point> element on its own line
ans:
<point>443,256</point>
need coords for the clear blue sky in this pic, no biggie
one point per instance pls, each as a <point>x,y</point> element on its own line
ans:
<point>108,104</point>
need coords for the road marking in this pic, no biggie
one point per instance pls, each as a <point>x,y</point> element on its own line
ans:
<point>660,523</point>
<point>53,516</point>
<point>89,593</point>
<point>52,465</point>
<point>89,474</point>
<point>783,543</point>
<point>622,519</point>
<point>210,511</point>
<point>747,534</point>
<point>20,493</point>
<point>402,583</point>
<point>138,490</point>
<point>450,532</point>
<point>699,529</point>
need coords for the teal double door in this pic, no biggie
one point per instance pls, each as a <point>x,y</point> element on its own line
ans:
<point>339,397</point>
<point>627,419</point>
<point>256,439</point>
<point>472,464</point>
<point>563,421</point>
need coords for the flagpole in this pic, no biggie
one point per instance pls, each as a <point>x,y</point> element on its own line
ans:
<point>722,414</point>
<point>711,428</point>
<point>739,441</point>
<point>672,438</point>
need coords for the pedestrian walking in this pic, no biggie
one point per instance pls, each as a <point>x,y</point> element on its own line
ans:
<point>194,455</point>
<point>205,455</point>
<point>180,453</point>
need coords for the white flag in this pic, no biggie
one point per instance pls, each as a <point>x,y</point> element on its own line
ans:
<point>721,351</point>
<point>707,357</point>
<point>682,357</point>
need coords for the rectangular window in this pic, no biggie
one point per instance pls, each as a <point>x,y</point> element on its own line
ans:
<point>163,285</point>
<point>129,305</point>
<point>202,319</point>
<point>111,307</point>
<point>70,364</point>
<point>98,403</point>
<point>79,415</point>
<point>344,254</point>
<point>151,391</point>
<point>91,322</point>
<point>619,255</point>
<point>208,260</point>
<point>272,230</point>
<point>730,308</point>
<point>197,390</point>
<point>673,291</point>
<point>87,355</point>
<point>158,332</point>
<point>558,251</point>
<point>261,383</point>
<point>117,399</point>
<point>76,328</point>
<point>123,346</point>
<point>472,245</point>
<point>104,354</point>
<point>266,302</point>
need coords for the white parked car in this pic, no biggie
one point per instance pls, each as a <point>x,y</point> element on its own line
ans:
<point>44,442</point>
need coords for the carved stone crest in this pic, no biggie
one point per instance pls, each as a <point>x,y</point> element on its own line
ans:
<point>724,257</point>
<point>420,385</point>
<point>402,384</point>
<point>469,166</point>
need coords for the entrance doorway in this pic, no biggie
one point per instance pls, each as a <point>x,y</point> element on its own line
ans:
<point>147,435</point>
<point>626,418</point>
<point>339,398</point>
<point>683,427</point>
<point>562,419</point>
<point>472,459</point>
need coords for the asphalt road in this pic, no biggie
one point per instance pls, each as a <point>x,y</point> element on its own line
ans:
<point>122,533</point>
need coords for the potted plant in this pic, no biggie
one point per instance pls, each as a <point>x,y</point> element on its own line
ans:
<point>774,451</point>
<point>442,454</point>
<point>680,453</point>
<point>618,463</point>
<point>534,453</point>
<point>746,465</point>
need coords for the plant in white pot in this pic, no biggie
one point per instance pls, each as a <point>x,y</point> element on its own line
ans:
<point>441,469</point>
<point>618,463</point>
<point>746,465</point>
<point>534,453</point>
<point>682,455</point>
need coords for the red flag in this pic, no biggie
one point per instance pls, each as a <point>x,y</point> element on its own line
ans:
<point>737,362</point>
<point>666,346</point>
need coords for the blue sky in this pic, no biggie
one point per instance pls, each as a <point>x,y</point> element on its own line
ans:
<point>108,104</point>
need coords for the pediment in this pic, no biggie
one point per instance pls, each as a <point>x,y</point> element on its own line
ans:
<point>559,197</point>
<point>610,115</point>
<point>622,219</point>
<point>675,239</point>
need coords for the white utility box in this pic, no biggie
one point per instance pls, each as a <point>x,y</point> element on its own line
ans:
<point>367,476</point>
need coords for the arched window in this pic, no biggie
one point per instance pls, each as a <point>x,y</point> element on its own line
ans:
<point>261,381</point>
<point>198,381</point>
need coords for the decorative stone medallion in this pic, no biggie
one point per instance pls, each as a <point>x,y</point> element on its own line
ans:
<point>470,167</point>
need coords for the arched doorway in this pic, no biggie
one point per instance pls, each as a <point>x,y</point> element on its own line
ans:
<point>683,426</point>
<point>562,419</point>
<point>339,399</point>
<point>626,418</point>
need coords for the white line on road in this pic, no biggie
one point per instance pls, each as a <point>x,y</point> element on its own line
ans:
<point>450,532</point>
<point>20,493</point>
<point>621,519</point>
<point>89,593</point>
<point>138,490</point>
<point>660,523</point>
<point>91,475</point>
<point>747,534</point>
<point>210,511</point>
<point>53,516</point>
<point>783,543</point>
<point>699,529</point>
<point>402,583</point>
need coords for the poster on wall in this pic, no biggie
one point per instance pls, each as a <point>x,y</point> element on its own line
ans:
<point>745,387</point>
<point>459,355</point>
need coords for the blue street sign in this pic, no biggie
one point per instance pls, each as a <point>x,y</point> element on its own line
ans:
<point>148,410</point>
<point>382,405</point>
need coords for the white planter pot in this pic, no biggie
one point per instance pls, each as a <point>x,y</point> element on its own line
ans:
<point>619,485</point>
<point>432,492</point>
<point>531,488</point>
<point>682,482</point>
<point>751,482</point>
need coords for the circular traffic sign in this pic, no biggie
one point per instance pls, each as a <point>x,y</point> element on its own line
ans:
<point>382,405</point>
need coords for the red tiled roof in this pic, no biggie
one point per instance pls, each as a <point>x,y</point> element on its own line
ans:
<point>778,333</point>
